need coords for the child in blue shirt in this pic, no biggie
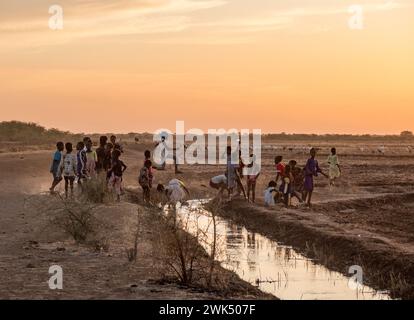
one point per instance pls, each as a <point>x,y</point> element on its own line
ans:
<point>54,168</point>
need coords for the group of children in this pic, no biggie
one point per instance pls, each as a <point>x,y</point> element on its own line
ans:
<point>291,181</point>
<point>87,163</point>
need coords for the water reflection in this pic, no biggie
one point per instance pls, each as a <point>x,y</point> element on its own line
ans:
<point>275,268</point>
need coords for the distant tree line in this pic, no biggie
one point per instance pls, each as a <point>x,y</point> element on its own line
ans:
<point>28,132</point>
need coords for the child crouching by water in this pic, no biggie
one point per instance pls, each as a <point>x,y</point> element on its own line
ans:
<point>176,191</point>
<point>116,173</point>
<point>219,183</point>
<point>270,194</point>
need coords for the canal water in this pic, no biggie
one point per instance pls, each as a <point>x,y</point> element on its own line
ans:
<point>272,267</point>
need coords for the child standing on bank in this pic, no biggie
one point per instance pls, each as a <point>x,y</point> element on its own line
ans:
<point>286,186</point>
<point>147,156</point>
<point>280,168</point>
<point>54,168</point>
<point>69,168</point>
<point>91,159</point>
<point>145,181</point>
<point>334,168</point>
<point>81,162</point>
<point>297,184</point>
<point>116,173</point>
<point>252,179</point>
<point>100,153</point>
<point>311,170</point>
<point>107,164</point>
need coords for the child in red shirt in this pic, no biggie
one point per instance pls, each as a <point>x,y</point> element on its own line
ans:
<point>280,168</point>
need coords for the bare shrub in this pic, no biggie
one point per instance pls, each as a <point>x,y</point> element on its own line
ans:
<point>77,219</point>
<point>74,217</point>
<point>399,285</point>
<point>132,253</point>
<point>179,251</point>
<point>96,190</point>
<point>187,249</point>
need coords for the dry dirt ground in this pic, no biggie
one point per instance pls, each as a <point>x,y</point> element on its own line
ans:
<point>31,242</point>
<point>367,219</point>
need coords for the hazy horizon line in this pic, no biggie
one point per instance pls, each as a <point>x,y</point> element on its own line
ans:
<point>263,133</point>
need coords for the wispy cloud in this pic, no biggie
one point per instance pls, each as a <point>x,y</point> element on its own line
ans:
<point>106,18</point>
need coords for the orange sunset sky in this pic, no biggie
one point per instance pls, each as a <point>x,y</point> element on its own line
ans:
<point>293,65</point>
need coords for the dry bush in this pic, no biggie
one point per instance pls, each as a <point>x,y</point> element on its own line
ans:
<point>132,253</point>
<point>75,218</point>
<point>96,190</point>
<point>178,251</point>
<point>180,243</point>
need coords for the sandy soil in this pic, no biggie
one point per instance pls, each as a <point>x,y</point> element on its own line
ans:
<point>367,219</point>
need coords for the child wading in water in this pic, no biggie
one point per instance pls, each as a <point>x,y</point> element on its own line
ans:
<point>311,170</point>
<point>252,179</point>
<point>334,168</point>
<point>54,168</point>
<point>145,181</point>
<point>116,172</point>
<point>69,168</point>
